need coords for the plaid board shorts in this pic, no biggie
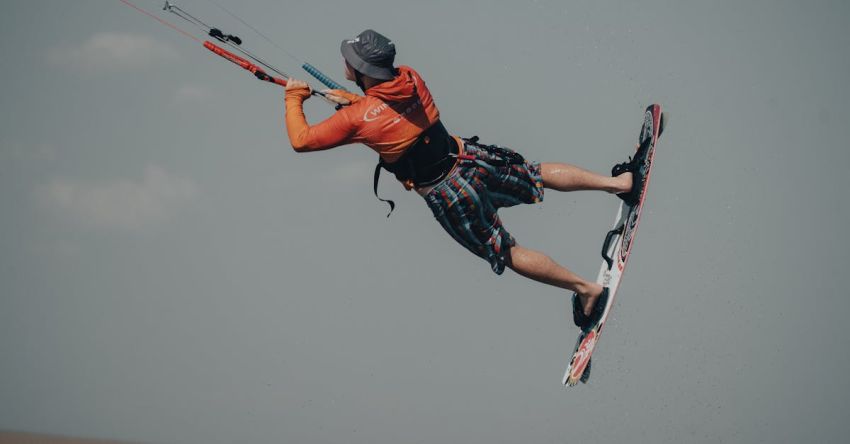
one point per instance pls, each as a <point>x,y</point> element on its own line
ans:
<point>467,200</point>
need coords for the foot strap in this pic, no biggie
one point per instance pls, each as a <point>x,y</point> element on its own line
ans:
<point>587,322</point>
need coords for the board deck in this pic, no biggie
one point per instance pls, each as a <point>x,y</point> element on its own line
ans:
<point>616,248</point>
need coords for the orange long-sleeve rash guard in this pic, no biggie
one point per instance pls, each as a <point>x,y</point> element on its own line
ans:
<point>388,119</point>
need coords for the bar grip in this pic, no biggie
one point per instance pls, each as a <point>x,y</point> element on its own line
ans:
<point>321,77</point>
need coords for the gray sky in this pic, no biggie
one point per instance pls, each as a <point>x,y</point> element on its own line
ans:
<point>172,272</point>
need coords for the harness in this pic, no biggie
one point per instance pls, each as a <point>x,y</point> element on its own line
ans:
<point>433,155</point>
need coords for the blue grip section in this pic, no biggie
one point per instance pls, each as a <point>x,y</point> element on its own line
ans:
<point>321,77</point>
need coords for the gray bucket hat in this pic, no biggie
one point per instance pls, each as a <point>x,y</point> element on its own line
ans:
<point>370,53</point>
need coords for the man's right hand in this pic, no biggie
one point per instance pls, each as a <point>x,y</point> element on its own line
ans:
<point>340,97</point>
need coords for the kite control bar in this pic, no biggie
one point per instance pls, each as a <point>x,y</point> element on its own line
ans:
<point>235,43</point>
<point>247,60</point>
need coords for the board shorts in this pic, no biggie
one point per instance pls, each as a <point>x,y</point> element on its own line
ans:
<point>466,202</point>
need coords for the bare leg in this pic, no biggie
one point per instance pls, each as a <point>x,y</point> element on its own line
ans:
<point>565,177</point>
<point>541,268</point>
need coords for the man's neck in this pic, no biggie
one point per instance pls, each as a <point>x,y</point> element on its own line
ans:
<point>369,82</point>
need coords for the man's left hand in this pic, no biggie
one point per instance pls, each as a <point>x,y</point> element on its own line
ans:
<point>295,84</point>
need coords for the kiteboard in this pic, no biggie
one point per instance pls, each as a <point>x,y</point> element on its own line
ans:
<point>617,247</point>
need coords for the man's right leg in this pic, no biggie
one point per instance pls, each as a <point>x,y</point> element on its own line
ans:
<point>541,268</point>
<point>464,208</point>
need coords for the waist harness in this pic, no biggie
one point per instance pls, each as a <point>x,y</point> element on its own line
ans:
<point>424,163</point>
<point>430,159</point>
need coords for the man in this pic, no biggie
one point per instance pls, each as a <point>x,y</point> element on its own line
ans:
<point>463,182</point>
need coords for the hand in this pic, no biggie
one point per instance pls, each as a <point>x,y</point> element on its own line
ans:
<point>332,95</point>
<point>293,84</point>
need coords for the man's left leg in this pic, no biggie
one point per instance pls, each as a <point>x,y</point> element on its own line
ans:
<point>540,267</point>
<point>566,177</point>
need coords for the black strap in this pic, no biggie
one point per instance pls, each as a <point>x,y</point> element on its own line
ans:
<point>377,178</point>
<point>501,156</point>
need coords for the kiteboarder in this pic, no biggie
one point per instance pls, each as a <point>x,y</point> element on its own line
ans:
<point>463,182</point>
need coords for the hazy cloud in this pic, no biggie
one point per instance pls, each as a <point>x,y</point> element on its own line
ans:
<point>191,94</point>
<point>112,50</point>
<point>123,204</point>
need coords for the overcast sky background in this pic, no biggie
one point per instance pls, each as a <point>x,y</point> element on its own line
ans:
<point>172,272</point>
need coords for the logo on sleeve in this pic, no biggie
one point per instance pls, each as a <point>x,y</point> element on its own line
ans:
<point>373,114</point>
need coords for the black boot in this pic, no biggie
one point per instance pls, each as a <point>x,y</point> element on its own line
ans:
<point>632,166</point>
<point>587,322</point>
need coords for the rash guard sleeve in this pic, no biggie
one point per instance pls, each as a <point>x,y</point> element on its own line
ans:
<point>336,130</point>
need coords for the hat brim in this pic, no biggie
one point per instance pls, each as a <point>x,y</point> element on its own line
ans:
<point>363,66</point>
